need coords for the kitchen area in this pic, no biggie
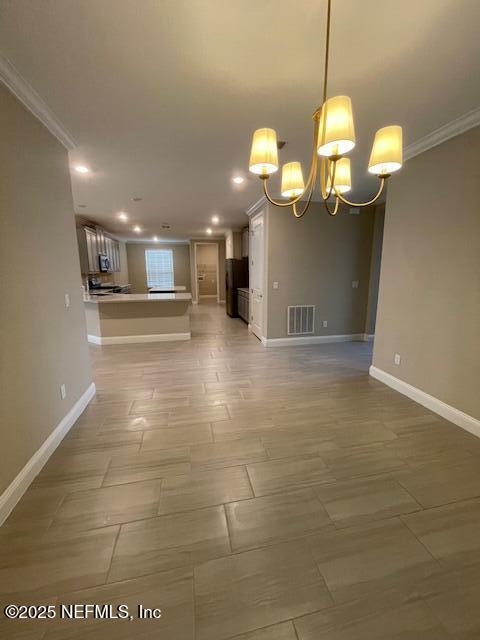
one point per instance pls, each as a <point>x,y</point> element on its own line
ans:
<point>113,314</point>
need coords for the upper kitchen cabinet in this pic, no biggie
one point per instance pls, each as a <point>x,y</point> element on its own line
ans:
<point>93,243</point>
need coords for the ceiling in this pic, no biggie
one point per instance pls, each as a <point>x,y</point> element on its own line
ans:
<point>161,96</point>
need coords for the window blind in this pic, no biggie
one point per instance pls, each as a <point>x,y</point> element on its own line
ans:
<point>159,265</point>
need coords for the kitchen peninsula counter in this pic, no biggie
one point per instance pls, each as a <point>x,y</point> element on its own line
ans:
<point>137,317</point>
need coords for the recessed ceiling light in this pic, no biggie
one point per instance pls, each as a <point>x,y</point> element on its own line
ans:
<point>238,179</point>
<point>137,229</point>
<point>215,219</point>
<point>155,238</point>
<point>123,216</point>
<point>208,231</point>
<point>80,168</point>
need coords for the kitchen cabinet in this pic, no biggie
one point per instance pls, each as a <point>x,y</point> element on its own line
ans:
<point>88,249</point>
<point>243,300</point>
<point>93,242</point>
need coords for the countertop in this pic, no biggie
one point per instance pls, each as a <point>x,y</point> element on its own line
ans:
<point>138,297</point>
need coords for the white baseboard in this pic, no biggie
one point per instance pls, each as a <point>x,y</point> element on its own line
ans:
<point>154,337</point>
<point>23,480</point>
<point>368,337</point>
<point>461,419</point>
<point>297,341</point>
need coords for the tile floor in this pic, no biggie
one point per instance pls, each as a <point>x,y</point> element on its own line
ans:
<point>251,494</point>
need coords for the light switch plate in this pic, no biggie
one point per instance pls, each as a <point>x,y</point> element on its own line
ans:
<point>63,391</point>
<point>275,285</point>
<point>67,300</point>
<point>397,359</point>
<point>325,323</point>
<point>355,284</point>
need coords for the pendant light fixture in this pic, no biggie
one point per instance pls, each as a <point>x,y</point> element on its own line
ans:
<point>333,138</point>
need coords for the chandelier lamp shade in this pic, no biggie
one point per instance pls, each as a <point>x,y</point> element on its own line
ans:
<point>333,139</point>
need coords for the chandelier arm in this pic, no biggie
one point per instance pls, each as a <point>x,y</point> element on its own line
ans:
<point>308,201</point>
<point>310,180</point>
<point>334,211</point>
<point>363,204</point>
<point>279,204</point>
<point>323,182</point>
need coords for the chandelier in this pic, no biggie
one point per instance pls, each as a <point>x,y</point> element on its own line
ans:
<point>333,138</point>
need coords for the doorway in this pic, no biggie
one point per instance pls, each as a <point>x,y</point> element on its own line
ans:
<point>257,259</point>
<point>206,271</point>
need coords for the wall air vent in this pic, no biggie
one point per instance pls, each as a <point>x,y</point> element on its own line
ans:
<point>301,320</point>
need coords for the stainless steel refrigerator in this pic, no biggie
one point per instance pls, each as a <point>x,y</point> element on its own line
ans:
<point>236,276</point>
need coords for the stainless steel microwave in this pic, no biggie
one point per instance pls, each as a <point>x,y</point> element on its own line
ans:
<point>104,262</point>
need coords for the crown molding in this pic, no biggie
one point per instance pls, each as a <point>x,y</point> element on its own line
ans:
<point>450,130</point>
<point>257,206</point>
<point>34,103</point>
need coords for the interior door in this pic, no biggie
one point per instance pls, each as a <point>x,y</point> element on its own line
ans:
<point>256,274</point>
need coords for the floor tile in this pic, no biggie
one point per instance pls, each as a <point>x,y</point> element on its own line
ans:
<point>145,422</point>
<point>204,488</point>
<point>281,475</point>
<point>453,597</point>
<point>74,471</point>
<point>373,557</point>
<point>35,511</point>
<point>432,486</point>
<point>189,415</point>
<point>227,454</point>
<point>390,615</point>
<point>158,405</point>
<point>451,533</point>
<point>106,506</point>
<point>170,591</point>
<point>245,591</point>
<point>169,541</point>
<point>147,465</point>
<point>354,502</point>
<point>178,436</point>
<point>48,564</point>
<point>277,518</point>
<point>362,462</point>
<point>282,631</point>
<point>355,433</point>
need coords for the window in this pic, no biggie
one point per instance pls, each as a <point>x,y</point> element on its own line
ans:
<point>159,264</point>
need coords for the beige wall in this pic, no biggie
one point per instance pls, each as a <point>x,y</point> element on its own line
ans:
<point>221,264</point>
<point>315,259</point>
<point>375,264</point>
<point>43,344</point>
<point>429,301</point>
<point>136,264</point>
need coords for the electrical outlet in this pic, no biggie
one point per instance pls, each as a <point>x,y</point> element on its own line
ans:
<point>275,285</point>
<point>355,284</point>
<point>397,359</point>
<point>63,391</point>
<point>325,323</point>
<point>67,300</point>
